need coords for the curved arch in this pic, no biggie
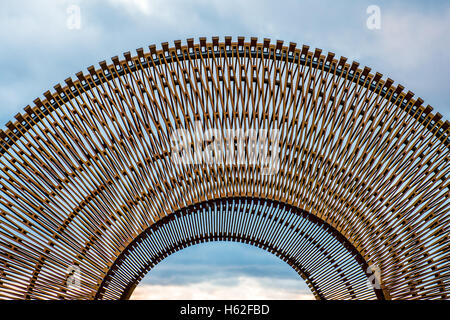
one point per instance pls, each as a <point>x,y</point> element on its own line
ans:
<point>291,223</point>
<point>88,168</point>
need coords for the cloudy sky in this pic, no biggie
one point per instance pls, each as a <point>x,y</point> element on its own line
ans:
<point>219,270</point>
<point>39,47</point>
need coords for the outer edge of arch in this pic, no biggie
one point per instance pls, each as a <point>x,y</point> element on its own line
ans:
<point>433,122</point>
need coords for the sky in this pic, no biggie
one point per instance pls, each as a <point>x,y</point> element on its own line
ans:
<point>40,46</point>
<point>222,270</point>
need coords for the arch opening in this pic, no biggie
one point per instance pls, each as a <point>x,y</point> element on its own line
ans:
<point>222,270</point>
<point>330,265</point>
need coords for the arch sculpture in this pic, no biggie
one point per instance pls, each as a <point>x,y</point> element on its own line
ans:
<point>357,201</point>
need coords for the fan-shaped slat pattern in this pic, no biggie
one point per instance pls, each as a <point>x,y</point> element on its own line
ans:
<point>87,170</point>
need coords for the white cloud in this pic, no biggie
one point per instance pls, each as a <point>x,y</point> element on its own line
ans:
<point>411,38</point>
<point>143,6</point>
<point>248,288</point>
<point>165,12</point>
